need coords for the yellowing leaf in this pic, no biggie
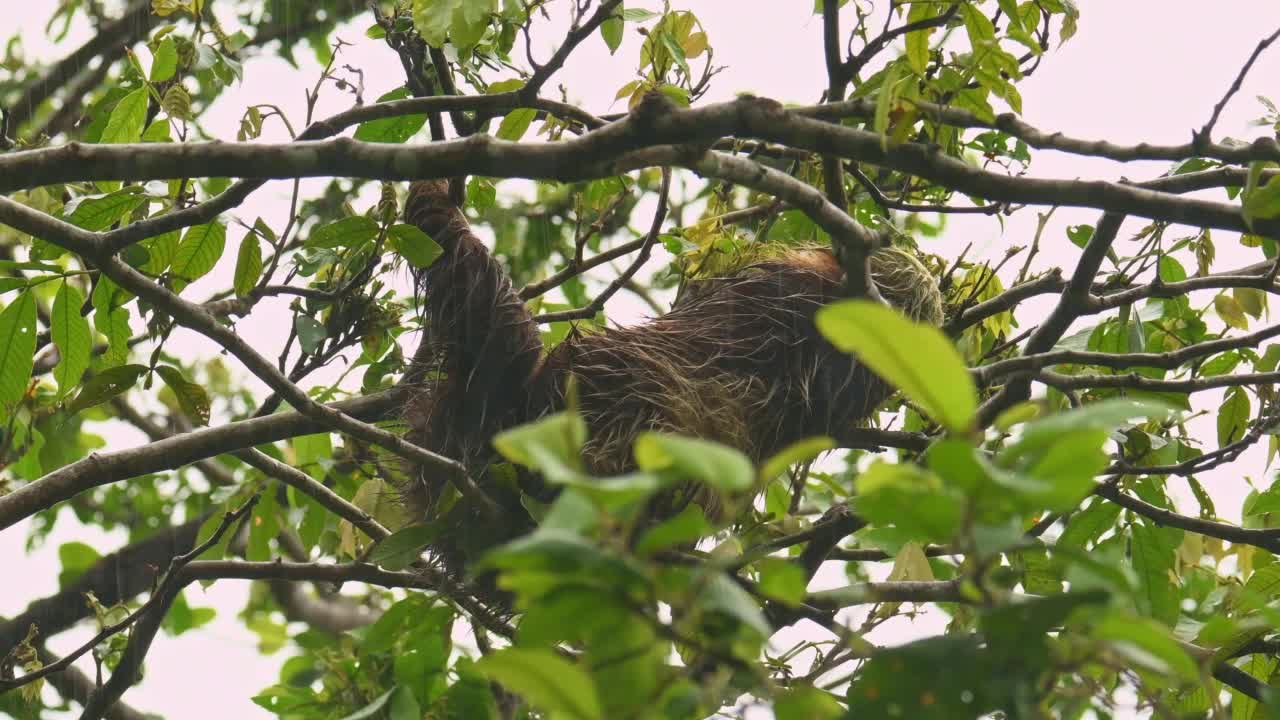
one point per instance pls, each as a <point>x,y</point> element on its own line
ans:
<point>1231,312</point>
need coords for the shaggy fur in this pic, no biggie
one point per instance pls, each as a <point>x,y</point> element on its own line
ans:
<point>738,360</point>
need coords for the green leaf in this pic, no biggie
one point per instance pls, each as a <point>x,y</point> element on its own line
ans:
<point>721,594</point>
<point>782,580</point>
<point>199,251</point>
<point>1153,560</point>
<point>551,445</point>
<point>716,465</point>
<point>1062,474</point>
<point>1233,416</point>
<point>949,677</point>
<point>403,546</point>
<point>806,703</point>
<point>192,398</point>
<point>76,557</point>
<point>17,349</point>
<point>248,264</point>
<point>549,682</point>
<point>918,40</point>
<point>348,232</point>
<point>100,213</point>
<point>914,357</point>
<point>801,451</point>
<point>127,119</point>
<point>160,251</point>
<point>410,243</point>
<point>310,333</point>
<point>1106,415</point>
<point>1261,203</point>
<point>516,123</point>
<point>106,385</point>
<point>70,333</point>
<point>1146,643</point>
<point>165,63</point>
<point>372,709</point>
<point>404,705</point>
<point>114,324</point>
<point>911,498</point>
<point>611,30</point>
<point>392,129</point>
<point>690,524</point>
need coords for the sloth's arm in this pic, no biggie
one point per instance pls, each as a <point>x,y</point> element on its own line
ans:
<point>480,337</point>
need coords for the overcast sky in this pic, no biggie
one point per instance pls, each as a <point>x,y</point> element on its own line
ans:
<point>1139,70</point>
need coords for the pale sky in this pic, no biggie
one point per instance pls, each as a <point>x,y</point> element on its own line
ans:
<point>1137,70</point>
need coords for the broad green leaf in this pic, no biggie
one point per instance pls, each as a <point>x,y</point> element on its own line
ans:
<point>1233,417</point>
<point>782,580</point>
<point>17,349</point>
<point>914,357</point>
<point>801,451</point>
<point>192,398</point>
<point>1263,202</point>
<point>911,498</point>
<point>160,252</point>
<point>918,40</point>
<point>165,63</point>
<point>198,252</point>
<point>721,594</point>
<point>348,232</point>
<point>383,634</point>
<point>718,466</point>
<point>806,703</point>
<point>549,682</point>
<point>611,30</point>
<point>70,333</point>
<point>950,677</point>
<point>101,212</point>
<point>550,445</point>
<point>1106,415</point>
<point>106,385</point>
<point>1153,560</point>
<point>75,557</point>
<point>1090,524</point>
<point>1061,474</point>
<point>690,524</point>
<point>373,709</point>
<point>310,333</point>
<point>127,119</point>
<point>1016,415</point>
<point>248,264</point>
<point>393,129</point>
<point>410,243</point>
<point>404,705</point>
<point>1146,643</point>
<point>403,546</point>
<point>516,123</point>
<point>114,324</point>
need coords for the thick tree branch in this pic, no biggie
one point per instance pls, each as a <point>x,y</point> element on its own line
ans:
<point>1267,539</point>
<point>1076,300</point>
<point>169,454</point>
<point>113,579</point>
<point>1167,360</point>
<point>601,153</point>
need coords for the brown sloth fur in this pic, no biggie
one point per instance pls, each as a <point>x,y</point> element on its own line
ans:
<point>738,360</point>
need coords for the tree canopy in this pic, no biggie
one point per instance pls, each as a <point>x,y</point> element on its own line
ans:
<point>1038,482</point>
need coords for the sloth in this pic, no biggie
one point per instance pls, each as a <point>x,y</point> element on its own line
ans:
<point>737,360</point>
